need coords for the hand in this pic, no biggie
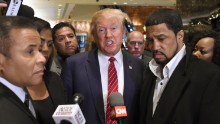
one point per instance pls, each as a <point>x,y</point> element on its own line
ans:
<point>2,5</point>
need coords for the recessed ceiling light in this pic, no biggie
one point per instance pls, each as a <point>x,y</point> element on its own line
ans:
<point>114,2</point>
<point>125,3</point>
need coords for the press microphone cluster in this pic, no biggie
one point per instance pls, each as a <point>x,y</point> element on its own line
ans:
<point>16,8</point>
<point>70,114</point>
<point>118,111</point>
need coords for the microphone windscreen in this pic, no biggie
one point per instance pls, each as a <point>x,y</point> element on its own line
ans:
<point>116,99</point>
<point>26,11</point>
<point>78,98</point>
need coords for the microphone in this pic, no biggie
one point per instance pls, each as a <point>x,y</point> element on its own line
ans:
<point>13,7</point>
<point>78,98</point>
<point>26,11</point>
<point>70,114</point>
<point>118,111</point>
<point>129,26</point>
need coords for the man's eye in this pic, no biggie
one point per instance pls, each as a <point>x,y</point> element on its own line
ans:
<point>60,38</point>
<point>70,36</point>
<point>113,28</point>
<point>31,51</point>
<point>101,30</point>
<point>132,43</point>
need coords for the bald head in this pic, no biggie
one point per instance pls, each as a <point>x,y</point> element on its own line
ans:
<point>135,43</point>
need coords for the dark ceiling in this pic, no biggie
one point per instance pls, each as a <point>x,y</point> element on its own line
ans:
<point>193,8</point>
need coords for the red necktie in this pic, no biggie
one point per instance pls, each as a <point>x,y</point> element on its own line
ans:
<point>112,87</point>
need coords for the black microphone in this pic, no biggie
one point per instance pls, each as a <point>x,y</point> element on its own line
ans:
<point>129,26</point>
<point>26,11</point>
<point>118,111</point>
<point>78,98</point>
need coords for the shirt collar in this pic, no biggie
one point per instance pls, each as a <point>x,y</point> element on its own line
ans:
<point>17,90</point>
<point>169,67</point>
<point>118,57</point>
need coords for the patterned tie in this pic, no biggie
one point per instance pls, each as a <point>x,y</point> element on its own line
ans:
<point>112,87</point>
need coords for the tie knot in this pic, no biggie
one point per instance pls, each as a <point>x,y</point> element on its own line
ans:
<point>111,59</point>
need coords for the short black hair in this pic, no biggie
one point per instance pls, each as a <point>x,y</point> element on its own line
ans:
<point>59,26</point>
<point>168,16</point>
<point>7,23</point>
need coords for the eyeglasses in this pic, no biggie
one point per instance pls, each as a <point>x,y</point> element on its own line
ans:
<point>133,43</point>
<point>61,38</point>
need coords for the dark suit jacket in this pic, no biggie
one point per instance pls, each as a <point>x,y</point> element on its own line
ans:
<point>57,94</point>
<point>12,109</point>
<point>192,95</point>
<point>55,88</point>
<point>146,59</point>
<point>82,75</point>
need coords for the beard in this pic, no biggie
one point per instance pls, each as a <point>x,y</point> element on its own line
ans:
<point>159,61</point>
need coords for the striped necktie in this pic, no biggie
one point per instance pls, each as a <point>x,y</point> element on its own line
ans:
<point>112,87</point>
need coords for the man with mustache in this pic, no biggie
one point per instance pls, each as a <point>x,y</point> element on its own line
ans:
<point>66,44</point>
<point>179,88</point>
<point>21,65</point>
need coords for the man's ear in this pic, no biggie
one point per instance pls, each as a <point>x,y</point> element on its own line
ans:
<point>180,36</point>
<point>2,60</point>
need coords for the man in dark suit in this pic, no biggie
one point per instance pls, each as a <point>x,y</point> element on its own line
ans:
<point>87,73</point>
<point>179,88</point>
<point>21,65</point>
<point>136,44</point>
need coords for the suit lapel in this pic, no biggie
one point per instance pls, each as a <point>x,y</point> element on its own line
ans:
<point>93,73</point>
<point>128,74</point>
<point>173,91</point>
<point>147,96</point>
<point>14,99</point>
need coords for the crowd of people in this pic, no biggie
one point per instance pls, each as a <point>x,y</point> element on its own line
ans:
<point>172,82</point>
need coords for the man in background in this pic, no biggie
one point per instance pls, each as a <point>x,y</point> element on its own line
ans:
<point>66,44</point>
<point>136,44</point>
<point>21,65</point>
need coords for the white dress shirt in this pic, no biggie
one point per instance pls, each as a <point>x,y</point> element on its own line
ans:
<point>168,69</point>
<point>19,92</point>
<point>103,65</point>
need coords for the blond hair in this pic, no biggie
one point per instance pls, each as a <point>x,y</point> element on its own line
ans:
<point>108,13</point>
